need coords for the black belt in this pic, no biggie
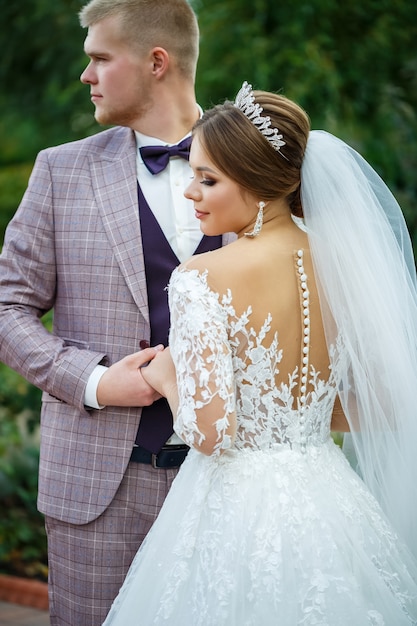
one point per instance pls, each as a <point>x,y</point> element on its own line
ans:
<point>167,457</point>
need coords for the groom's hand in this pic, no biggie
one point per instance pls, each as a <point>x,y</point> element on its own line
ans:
<point>123,384</point>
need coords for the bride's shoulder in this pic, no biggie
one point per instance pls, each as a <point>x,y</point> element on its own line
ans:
<point>209,262</point>
<point>209,272</point>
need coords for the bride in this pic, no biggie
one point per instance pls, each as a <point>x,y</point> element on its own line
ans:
<point>307,323</point>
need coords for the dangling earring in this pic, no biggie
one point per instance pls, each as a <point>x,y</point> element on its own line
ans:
<point>259,221</point>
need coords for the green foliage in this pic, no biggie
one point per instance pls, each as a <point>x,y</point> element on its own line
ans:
<point>13,182</point>
<point>310,51</point>
<point>42,100</point>
<point>352,66</point>
<point>19,405</point>
<point>18,400</point>
<point>23,550</point>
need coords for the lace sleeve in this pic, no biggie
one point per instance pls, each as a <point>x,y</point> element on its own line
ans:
<point>203,360</point>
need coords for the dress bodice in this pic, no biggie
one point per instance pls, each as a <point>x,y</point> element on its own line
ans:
<point>226,367</point>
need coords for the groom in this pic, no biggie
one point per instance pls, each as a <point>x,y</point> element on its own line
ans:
<point>98,232</point>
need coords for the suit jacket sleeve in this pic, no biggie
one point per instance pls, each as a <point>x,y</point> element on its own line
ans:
<point>28,289</point>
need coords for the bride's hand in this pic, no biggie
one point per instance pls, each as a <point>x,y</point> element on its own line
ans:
<point>160,373</point>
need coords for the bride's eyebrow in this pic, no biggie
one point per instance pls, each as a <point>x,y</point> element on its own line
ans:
<point>203,168</point>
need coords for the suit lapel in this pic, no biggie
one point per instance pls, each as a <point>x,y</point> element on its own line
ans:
<point>114,182</point>
<point>115,188</point>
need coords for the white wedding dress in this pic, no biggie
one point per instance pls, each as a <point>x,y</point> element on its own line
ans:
<point>274,528</point>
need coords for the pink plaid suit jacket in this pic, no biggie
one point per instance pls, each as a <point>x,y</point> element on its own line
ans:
<point>75,245</point>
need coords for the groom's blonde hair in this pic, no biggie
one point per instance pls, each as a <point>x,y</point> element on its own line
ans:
<point>145,24</point>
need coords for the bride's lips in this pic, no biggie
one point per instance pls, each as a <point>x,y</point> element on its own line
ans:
<point>199,214</point>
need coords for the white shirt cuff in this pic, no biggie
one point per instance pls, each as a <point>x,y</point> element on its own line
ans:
<point>90,396</point>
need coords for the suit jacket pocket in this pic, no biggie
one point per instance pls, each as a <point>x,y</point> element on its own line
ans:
<point>76,343</point>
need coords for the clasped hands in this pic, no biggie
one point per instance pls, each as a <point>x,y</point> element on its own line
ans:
<point>138,379</point>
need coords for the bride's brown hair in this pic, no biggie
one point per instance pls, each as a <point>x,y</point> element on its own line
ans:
<point>241,152</point>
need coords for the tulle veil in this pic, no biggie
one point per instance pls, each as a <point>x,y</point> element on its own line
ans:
<point>365,269</point>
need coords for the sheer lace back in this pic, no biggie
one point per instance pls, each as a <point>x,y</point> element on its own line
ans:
<point>238,362</point>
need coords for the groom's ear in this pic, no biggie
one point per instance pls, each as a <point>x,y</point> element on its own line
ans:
<point>160,61</point>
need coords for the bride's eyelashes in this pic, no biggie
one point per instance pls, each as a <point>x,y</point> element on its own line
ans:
<point>202,180</point>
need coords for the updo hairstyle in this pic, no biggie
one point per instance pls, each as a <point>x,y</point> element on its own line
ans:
<point>243,154</point>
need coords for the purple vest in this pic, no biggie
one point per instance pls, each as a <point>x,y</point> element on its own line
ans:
<point>160,260</point>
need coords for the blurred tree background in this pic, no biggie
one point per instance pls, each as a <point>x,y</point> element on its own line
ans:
<point>352,66</point>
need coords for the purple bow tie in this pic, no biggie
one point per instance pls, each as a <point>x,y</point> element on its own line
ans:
<point>156,158</point>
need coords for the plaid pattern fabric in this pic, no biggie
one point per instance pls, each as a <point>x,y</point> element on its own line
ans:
<point>88,563</point>
<point>75,245</point>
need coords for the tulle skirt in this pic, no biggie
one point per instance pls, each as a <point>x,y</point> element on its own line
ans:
<point>279,537</point>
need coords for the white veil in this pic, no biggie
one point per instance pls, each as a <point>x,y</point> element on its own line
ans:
<point>366,274</point>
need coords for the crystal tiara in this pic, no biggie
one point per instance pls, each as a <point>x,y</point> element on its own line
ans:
<point>245,101</point>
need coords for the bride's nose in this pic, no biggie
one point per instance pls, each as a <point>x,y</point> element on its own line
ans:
<point>192,192</point>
